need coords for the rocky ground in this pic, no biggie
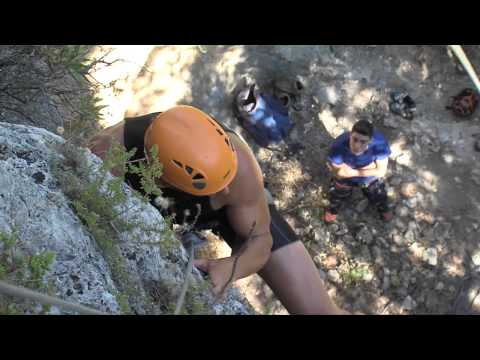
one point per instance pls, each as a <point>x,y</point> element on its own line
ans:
<point>427,259</point>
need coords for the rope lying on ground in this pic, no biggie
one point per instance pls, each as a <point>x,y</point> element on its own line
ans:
<point>19,292</point>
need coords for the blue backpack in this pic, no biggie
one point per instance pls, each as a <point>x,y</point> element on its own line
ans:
<point>263,115</point>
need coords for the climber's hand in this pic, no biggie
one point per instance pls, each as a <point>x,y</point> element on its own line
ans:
<point>219,272</point>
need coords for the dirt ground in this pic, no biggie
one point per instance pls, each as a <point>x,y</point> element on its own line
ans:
<point>424,260</point>
<point>427,260</point>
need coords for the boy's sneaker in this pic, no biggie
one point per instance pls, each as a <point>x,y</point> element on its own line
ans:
<point>329,217</point>
<point>387,215</point>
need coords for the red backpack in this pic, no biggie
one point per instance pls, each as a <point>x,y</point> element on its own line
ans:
<point>464,104</point>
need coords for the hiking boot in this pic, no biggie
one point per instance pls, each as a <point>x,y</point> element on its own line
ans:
<point>387,215</point>
<point>329,217</point>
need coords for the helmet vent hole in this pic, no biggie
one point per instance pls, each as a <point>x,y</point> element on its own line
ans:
<point>189,169</point>
<point>228,173</point>
<point>220,132</point>
<point>211,122</point>
<point>198,177</point>
<point>199,185</point>
<point>228,143</point>
<point>178,163</point>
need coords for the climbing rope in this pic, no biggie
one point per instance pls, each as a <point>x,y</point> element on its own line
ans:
<point>20,292</point>
<point>187,274</point>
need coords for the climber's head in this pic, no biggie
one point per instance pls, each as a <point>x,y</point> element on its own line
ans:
<point>360,136</point>
<point>197,155</point>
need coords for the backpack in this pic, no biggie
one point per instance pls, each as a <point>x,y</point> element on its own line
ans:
<point>464,104</point>
<point>263,115</point>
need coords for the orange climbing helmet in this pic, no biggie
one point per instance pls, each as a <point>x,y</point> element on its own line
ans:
<point>197,155</point>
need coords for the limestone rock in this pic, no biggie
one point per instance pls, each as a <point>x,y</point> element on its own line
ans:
<point>33,204</point>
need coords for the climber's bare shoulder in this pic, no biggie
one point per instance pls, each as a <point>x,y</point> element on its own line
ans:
<point>101,142</point>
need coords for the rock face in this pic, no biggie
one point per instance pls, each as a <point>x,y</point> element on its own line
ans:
<point>34,207</point>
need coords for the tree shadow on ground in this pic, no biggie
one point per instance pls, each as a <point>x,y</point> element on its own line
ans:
<point>450,231</point>
<point>210,78</point>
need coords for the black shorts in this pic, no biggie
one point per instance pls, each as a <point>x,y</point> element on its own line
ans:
<point>282,233</point>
